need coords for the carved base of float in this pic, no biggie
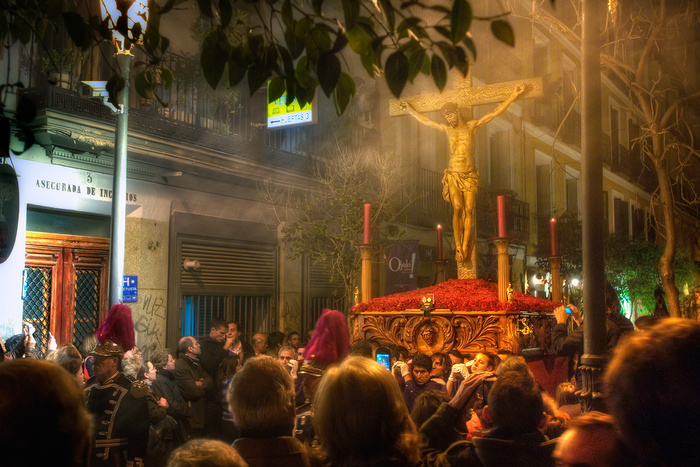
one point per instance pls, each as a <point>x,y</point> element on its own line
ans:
<point>445,330</point>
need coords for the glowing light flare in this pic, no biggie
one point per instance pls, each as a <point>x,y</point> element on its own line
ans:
<point>136,11</point>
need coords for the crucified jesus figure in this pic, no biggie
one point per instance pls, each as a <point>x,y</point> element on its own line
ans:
<point>461,179</point>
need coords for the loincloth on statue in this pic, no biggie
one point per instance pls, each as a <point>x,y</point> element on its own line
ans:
<point>463,181</point>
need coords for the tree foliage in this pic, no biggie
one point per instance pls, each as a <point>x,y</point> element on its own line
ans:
<point>649,44</point>
<point>326,222</point>
<point>299,45</point>
<point>631,267</point>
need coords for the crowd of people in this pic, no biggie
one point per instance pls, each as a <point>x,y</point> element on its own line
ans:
<point>281,401</point>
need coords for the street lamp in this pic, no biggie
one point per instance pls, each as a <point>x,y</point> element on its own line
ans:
<point>119,12</point>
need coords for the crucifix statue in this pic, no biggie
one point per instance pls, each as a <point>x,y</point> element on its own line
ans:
<point>461,179</point>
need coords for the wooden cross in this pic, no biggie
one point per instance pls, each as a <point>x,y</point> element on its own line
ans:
<point>464,96</point>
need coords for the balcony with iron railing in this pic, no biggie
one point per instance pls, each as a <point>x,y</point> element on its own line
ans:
<point>226,120</point>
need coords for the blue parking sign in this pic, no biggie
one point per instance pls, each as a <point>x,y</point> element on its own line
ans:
<point>130,291</point>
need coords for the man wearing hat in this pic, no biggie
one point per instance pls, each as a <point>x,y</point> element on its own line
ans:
<point>119,408</point>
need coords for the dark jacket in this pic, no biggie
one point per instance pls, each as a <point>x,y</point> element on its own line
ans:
<point>212,354</point>
<point>187,372</point>
<point>120,426</point>
<point>273,452</point>
<point>164,386</point>
<point>568,344</point>
<point>442,446</point>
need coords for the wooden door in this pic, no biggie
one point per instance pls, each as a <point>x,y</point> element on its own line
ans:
<point>66,286</point>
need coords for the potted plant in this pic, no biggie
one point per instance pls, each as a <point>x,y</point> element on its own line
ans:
<point>58,64</point>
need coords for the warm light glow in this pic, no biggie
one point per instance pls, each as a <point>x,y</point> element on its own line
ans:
<point>137,13</point>
<point>575,282</point>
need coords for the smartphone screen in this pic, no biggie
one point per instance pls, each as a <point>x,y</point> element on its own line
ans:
<point>568,309</point>
<point>384,357</point>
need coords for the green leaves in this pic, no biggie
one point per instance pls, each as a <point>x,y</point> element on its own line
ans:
<point>503,32</point>
<point>328,71</point>
<point>214,56</point>
<point>396,72</point>
<point>343,92</point>
<point>439,71</point>
<point>461,20</point>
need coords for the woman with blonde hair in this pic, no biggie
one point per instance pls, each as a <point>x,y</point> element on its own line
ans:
<point>361,418</point>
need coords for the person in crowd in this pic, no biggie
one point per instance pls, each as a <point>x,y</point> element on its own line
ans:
<point>566,399</point>
<point>44,418</point>
<point>307,336</point>
<point>120,410</point>
<point>206,453</point>
<point>593,441</point>
<point>238,347</point>
<point>651,388</point>
<point>455,356</point>
<point>426,405</point>
<point>361,418</point>
<point>570,344</point>
<point>275,341</point>
<point>329,345</point>
<point>165,387</point>
<point>399,365</point>
<point>193,381</point>
<point>259,343</point>
<point>261,398</point>
<point>214,348</point>
<point>421,382</point>
<point>21,345</point>
<point>293,339</point>
<point>287,357</point>
<point>68,357</point>
<point>515,410</point>
<point>86,348</point>
<point>442,367</point>
<point>227,369</point>
<point>132,369</point>
<point>364,348</point>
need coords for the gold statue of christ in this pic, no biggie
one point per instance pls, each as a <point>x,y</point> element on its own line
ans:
<point>461,179</point>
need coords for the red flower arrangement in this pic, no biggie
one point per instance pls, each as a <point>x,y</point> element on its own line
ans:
<point>458,295</point>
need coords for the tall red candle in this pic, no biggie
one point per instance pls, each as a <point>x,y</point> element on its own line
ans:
<point>501,204</point>
<point>365,239</point>
<point>553,235</point>
<point>439,241</point>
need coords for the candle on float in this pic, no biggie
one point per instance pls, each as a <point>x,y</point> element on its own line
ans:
<point>501,204</point>
<point>553,236</point>
<point>439,242</point>
<point>365,239</point>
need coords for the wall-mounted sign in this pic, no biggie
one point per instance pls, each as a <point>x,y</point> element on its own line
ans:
<point>401,267</point>
<point>279,114</point>
<point>130,290</point>
<point>9,210</point>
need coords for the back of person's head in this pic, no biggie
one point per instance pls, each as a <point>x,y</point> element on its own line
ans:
<point>275,340</point>
<point>363,348</point>
<point>566,394</point>
<point>227,368</point>
<point>612,300</point>
<point>513,363</point>
<point>592,439</point>
<point>184,344</point>
<point>88,344</point>
<point>43,413</point>
<point>458,356</point>
<point>262,398</point>
<point>426,405</point>
<point>421,360</point>
<point>206,453</point>
<point>644,322</point>
<point>652,384</point>
<point>515,402</point>
<point>68,357</point>
<point>133,368</point>
<point>361,418</point>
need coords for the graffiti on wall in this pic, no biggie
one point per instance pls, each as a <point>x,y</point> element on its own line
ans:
<point>150,324</point>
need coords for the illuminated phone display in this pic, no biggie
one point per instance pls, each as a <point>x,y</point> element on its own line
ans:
<point>384,359</point>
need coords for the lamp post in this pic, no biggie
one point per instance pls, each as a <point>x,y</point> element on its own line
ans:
<point>137,13</point>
